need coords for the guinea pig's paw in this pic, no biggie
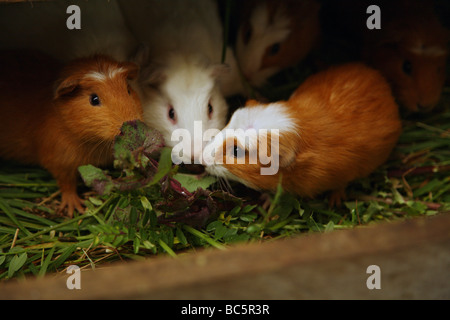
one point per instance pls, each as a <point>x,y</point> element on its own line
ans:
<point>336,197</point>
<point>71,201</point>
<point>266,200</point>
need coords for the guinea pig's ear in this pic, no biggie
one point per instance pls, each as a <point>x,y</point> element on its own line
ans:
<point>252,103</point>
<point>219,70</point>
<point>142,55</point>
<point>152,75</point>
<point>65,87</point>
<point>132,69</point>
<point>283,149</point>
<point>287,152</point>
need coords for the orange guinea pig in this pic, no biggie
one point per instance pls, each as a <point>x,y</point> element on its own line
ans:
<point>62,117</point>
<point>410,50</point>
<point>338,126</point>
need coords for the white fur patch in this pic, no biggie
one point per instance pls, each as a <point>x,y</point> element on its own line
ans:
<point>272,116</point>
<point>248,123</point>
<point>95,75</point>
<point>100,76</point>
<point>434,51</point>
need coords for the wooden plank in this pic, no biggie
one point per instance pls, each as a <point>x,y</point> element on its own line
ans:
<point>24,0</point>
<point>413,256</point>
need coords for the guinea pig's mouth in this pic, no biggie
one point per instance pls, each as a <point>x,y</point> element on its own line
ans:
<point>219,171</point>
<point>192,168</point>
<point>424,108</point>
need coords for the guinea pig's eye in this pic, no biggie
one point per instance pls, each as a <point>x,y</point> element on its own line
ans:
<point>237,151</point>
<point>407,67</point>
<point>171,114</point>
<point>129,89</point>
<point>94,100</point>
<point>274,49</point>
<point>210,110</point>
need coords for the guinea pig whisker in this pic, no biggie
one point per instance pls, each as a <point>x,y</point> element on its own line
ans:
<point>105,146</point>
<point>218,185</point>
<point>225,185</point>
<point>89,140</point>
<point>228,186</point>
<point>97,150</point>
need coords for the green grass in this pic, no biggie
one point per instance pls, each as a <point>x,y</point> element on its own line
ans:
<point>129,226</point>
<point>134,224</point>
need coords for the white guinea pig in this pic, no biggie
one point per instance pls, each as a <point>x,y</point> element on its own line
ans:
<point>274,35</point>
<point>181,94</point>
<point>181,68</point>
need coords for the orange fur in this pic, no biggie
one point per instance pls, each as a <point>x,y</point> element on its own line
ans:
<point>58,128</point>
<point>405,25</point>
<point>410,25</point>
<point>348,125</point>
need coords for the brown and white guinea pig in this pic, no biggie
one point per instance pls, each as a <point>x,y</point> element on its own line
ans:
<point>338,126</point>
<point>62,117</point>
<point>410,50</point>
<point>274,35</point>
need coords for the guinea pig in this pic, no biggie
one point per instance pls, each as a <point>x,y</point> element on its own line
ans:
<point>274,35</point>
<point>63,116</point>
<point>410,50</point>
<point>338,126</point>
<point>181,76</point>
<point>181,100</point>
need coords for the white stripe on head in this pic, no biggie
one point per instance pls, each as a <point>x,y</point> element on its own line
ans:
<point>249,123</point>
<point>433,51</point>
<point>101,76</point>
<point>271,116</point>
